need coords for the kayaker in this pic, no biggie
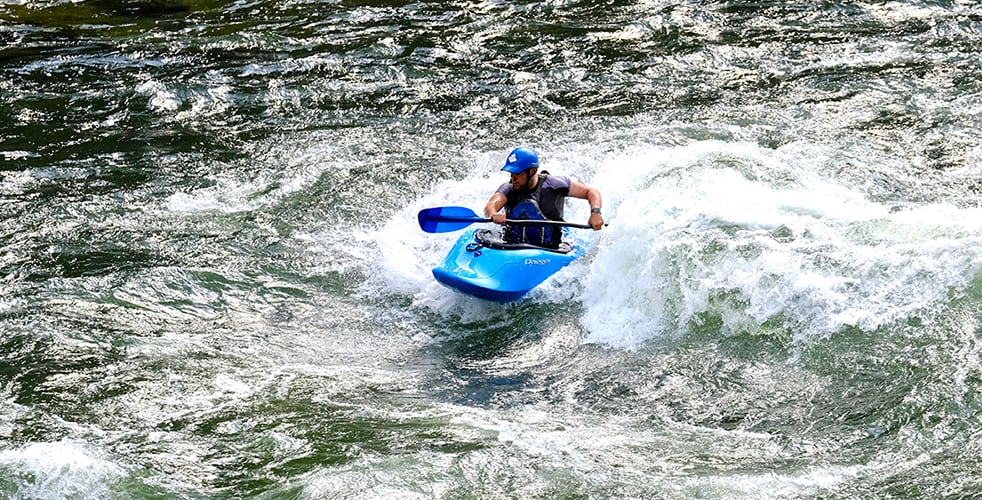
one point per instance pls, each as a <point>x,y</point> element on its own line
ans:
<point>537,196</point>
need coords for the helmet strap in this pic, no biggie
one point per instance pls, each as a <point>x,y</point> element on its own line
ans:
<point>532,173</point>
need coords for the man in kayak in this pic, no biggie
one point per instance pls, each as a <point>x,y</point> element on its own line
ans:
<point>537,196</point>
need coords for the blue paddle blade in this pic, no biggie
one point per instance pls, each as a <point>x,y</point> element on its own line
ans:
<point>446,219</point>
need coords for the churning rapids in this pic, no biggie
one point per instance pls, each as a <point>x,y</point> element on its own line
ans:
<point>212,284</point>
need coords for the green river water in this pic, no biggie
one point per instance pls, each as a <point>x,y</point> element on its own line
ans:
<point>212,284</point>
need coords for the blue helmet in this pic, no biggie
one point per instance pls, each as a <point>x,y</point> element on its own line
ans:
<point>520,160</point>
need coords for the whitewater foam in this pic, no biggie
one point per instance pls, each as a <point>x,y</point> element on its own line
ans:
<point>733,243</point>
<point>63,469</point>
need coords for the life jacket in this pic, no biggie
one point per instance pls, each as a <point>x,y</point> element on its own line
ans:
<point>526,207</point>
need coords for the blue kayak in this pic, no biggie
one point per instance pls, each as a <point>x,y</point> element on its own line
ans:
<point>482,265</point>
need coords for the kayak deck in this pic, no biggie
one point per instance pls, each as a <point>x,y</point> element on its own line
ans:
<point>482,265</point>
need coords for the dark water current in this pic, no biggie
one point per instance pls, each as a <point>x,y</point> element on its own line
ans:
<point>212,284</point>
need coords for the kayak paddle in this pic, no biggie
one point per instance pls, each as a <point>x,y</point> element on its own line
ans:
<point>446,219</point>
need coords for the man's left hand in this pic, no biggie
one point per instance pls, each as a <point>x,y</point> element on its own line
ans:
<point>596,221</point>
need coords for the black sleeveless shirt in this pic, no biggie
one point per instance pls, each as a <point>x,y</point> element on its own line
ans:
<point>551,192</point>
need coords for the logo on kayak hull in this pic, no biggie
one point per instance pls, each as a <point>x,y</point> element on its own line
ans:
<point>536,262</point>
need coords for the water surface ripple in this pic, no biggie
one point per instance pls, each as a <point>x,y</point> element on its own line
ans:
<point>212,285</point>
